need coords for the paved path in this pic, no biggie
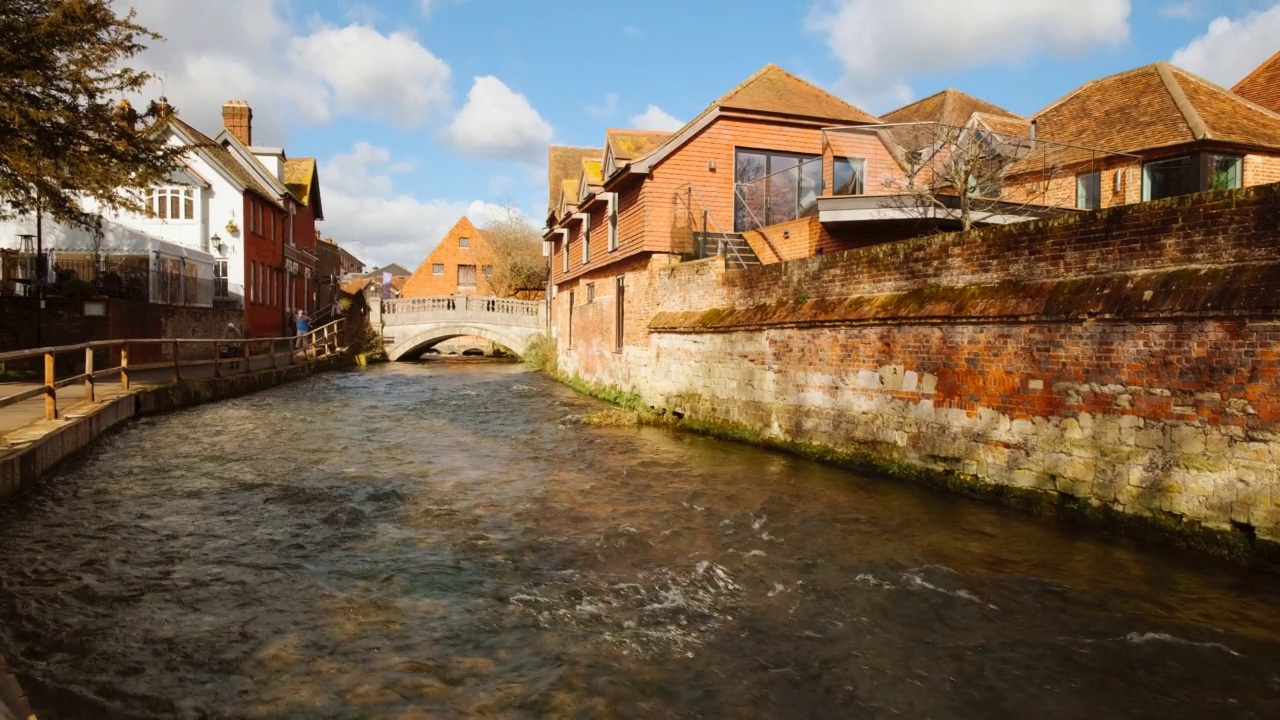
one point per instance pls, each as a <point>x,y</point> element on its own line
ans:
<point>20,415</point>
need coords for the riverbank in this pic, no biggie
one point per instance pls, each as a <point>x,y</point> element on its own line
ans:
<point>41,446</point>
<point>1236,545</point>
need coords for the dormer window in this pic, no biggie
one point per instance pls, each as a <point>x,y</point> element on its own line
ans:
<point>609,166</point>
<point>171,203</point>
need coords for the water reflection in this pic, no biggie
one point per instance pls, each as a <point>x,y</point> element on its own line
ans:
<point>435,541</point>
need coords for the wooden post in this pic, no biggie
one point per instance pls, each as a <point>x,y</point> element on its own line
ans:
<point>124,366</point>
<point>217,359</point>
<point>177,363</point>
<point>89,394</point>
<point>273,353</point>
<point>247,355</point>
<point>50,392</point>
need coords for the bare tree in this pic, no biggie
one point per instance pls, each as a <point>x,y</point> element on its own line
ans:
<point>960,173</point>
<point>519,268</point>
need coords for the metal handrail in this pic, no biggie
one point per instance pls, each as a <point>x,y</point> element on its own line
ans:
<point>724,240</point>
<point>320,342</point>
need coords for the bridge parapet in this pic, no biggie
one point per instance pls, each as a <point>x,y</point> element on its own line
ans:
<point>411,324</point>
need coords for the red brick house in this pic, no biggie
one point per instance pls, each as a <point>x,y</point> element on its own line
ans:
<point>460,264</point>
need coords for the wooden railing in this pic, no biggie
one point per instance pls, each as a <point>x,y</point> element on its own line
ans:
<point>222,354</point>
<point>445,303</point>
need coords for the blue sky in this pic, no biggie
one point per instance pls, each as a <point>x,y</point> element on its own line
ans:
<point>422,110</point>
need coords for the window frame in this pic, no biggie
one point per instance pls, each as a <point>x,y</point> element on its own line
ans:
<point>1084,183</point>
<point>591,291</point>
<point>437,269</point>
<point>464,243</point>
<point>767,207</point>
<point>860,173</point>
<point>460,284</point>
<point>1200,165</point>
<point>611,210</point>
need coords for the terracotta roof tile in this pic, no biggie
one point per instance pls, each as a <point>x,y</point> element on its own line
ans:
<point>950,107</point>
<point>1262,86</point>
<point>1005,125</point>
<point>632,144</point>
<point>775,91</point>
<point>1155,106</point>
<point>565,162</point>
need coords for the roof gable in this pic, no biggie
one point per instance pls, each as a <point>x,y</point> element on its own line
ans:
<point>1262,86</point>
<point>775,91</point>
<point>563,163</point>
<point>219,158</point>
<point>302,177</point>
<point>949,107</point>
<point>625,145</point>
<point>246,157</point>
<point>1155,106</point>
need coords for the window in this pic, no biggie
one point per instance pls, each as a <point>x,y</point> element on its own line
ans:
<point>466,276</point>
<point>172,203</point>
<point>1190,173</point>
<point>591,292</point>
<point>619,308</point>
<point>220,288</point>
<point>1224,172</point>
<point>586,238</point>
<point>772,187</point>
<point>1089,191</point>
<point>437,268</point>
<point>464,242</point>
<point>488,270</point>
<point>848,176</point>
<point>253,282</point>
<point>565,235</point>
<point>569,340</point>
<point>612,209</point>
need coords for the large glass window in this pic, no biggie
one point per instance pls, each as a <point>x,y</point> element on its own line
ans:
<point>1190,173</point>
<point>774,187</point>
<point>1089,191</point>
<point>220,288</point>
<point>848,176</point>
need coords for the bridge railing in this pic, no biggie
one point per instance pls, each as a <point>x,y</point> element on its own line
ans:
<point>235,355</point>
<point>458,303</point>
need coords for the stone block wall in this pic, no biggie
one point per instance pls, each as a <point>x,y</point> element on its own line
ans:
<point>1129,357</point>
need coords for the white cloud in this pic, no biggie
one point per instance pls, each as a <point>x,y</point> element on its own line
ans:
<point>425,7</point>
<point>249,50</point>
<point>381,225</point>
<point>607,109</point>
<point>883,45</point>
<point>655,118</point>
<point>498,122</point>
<point>1229,49</point>
<point>386,77</point>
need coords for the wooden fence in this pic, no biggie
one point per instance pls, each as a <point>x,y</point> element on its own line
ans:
<point>227,355</point>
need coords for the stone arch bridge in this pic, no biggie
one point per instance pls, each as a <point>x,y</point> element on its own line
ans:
<point>411,325</point>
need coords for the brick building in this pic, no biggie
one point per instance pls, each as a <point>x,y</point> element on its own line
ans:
<point>460,264</point>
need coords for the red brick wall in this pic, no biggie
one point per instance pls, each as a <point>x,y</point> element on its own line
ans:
<point>449,253</point>
<point>1130,357</point>
<point>263,248</point>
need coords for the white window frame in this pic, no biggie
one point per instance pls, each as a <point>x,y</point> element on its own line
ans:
<point>586,235</point>
<point>611,211</point>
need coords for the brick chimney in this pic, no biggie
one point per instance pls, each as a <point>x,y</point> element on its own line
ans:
<point>237,117</point>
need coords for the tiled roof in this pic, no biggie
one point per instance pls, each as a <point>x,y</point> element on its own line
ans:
<point>631,144</point>
<point>1262,86</point>
<point>1155,106</point>
<point>591,171</point>
<point>775,91</point>
<point>1005,124</point>
<point>225,161</point>
<point>298,173</point>
<point>569,189</point>
<point>563,163</point>
<point>950,107</point>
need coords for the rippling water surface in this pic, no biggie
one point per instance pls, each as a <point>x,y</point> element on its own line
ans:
<point>443,541</point>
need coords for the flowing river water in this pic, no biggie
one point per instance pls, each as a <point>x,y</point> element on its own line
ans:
<point>422,541</point>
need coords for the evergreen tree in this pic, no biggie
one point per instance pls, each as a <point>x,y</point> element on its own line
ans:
<point>65,132</point>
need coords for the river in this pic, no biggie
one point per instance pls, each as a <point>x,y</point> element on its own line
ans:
<point>440,540</point>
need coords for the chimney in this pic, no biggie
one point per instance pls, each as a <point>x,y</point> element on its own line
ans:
<point>237,117</point>
<point>162,108</point>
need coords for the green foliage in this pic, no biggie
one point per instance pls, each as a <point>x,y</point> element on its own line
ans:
<point>62,135</point>
<point>541,354</point>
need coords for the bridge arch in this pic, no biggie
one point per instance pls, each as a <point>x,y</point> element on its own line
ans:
<point>426,335</point>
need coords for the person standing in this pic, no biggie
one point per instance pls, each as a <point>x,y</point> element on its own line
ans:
<point>303,324</point>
